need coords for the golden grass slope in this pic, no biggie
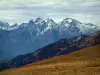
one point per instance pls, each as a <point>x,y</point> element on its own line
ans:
<point>83,62</point>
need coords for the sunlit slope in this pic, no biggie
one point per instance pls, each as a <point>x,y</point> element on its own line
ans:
<point>83,62</point>
<point>91,53</point>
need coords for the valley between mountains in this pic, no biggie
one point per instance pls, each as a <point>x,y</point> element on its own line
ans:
<point>20,39</point>
<point>44,47</point>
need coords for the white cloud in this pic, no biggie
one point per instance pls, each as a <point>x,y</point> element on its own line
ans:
<point>21,11</point>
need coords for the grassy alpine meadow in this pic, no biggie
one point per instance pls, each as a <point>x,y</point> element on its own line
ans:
<point>82,62</point>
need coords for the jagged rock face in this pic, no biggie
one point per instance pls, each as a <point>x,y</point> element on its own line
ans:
<point>28,37</point>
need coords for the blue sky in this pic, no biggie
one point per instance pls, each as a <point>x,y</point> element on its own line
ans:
<point>18,11</point>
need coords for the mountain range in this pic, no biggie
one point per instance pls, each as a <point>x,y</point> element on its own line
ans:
<point>28,37</point>
<point>61,47</point>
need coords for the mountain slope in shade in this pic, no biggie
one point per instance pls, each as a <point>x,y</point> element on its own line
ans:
<point>35,34</point>
<point>61,47</point>
<point>83,62</point>
<point>89,53</point>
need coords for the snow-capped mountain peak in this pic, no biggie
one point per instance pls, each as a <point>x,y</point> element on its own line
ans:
<point>50,22</point>
<point>35,34</point>
<point>31,22</point>
<point>4,24</point>
<point>38,19</point>
<point>41,25</point>
<point>68,20</point>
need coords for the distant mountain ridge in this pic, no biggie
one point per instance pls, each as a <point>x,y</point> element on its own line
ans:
<point>61,47</point>
<point>28,37</point>
<point>49,23</point>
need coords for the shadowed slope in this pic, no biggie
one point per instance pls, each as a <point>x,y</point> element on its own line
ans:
<point>83,62</point>
<point>61,47</point>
